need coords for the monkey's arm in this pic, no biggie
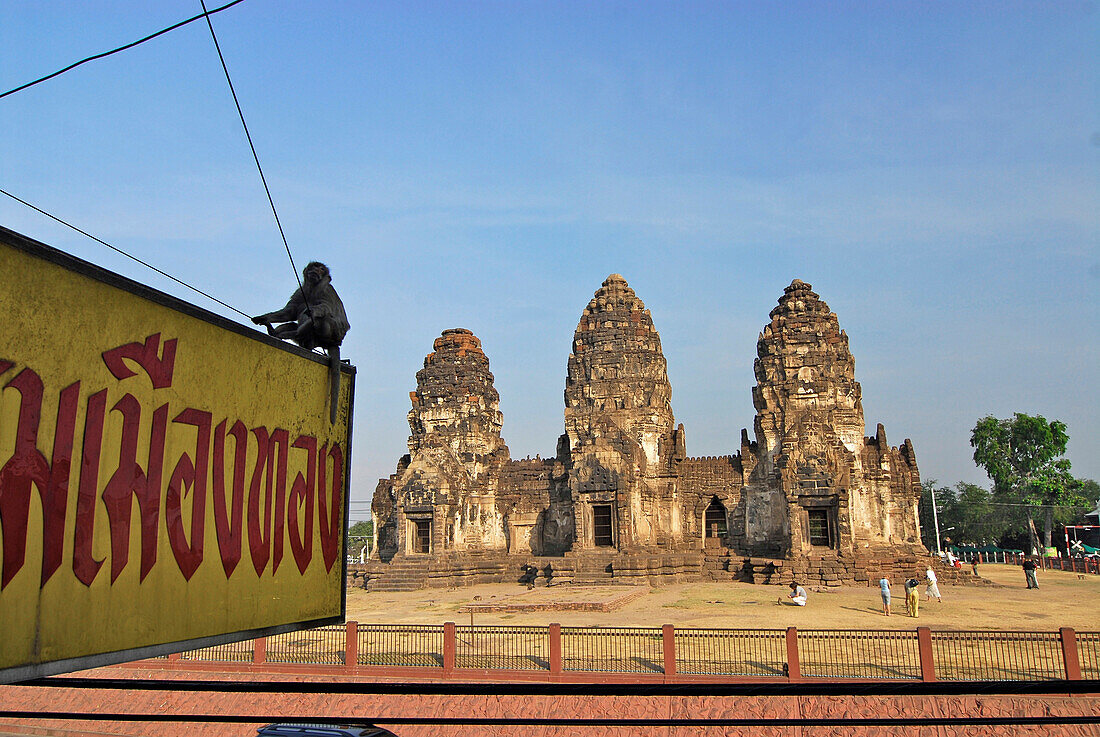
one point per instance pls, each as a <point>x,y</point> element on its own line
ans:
<point>287,314</point>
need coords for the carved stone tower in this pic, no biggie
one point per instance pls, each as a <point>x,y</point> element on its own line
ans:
<point>619,437</point>
<point>445,491</point>
<point>809,479</point>
<point>455,403</point>
<point>804,368</point>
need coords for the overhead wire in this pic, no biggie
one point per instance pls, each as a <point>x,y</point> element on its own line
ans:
<point>206,13</point>
<point>120,251</point>
<point>248,135</point>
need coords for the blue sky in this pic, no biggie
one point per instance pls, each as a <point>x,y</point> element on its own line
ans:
<point>933,169</point>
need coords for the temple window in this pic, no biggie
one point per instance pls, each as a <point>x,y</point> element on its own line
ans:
<point>820,530</point>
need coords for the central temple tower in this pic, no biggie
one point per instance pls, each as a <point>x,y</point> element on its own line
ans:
<point>619,439</point>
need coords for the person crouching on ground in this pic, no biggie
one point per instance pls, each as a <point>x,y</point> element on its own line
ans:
<point>797,596</point>
<point>912,597</point>
<point>884,584</point>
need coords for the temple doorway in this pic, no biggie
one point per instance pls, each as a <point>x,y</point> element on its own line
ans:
<point>422,535</point>
<point>603,534</point>
<point>714,519</point>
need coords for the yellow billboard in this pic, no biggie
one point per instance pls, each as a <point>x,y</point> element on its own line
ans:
<point>168,478</point>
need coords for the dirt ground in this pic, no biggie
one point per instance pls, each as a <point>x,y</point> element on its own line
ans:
<point>1062,600</point>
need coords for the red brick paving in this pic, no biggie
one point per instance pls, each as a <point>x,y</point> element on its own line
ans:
<point>302,706</point>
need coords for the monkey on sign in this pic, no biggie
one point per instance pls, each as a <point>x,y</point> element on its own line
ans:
<point>313,318</point>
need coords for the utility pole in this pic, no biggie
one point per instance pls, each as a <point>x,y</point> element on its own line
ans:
<point>935,519</point>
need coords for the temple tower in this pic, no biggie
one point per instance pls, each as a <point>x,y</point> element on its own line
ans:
<point>444,494</point>
<point>619,434</point>
<point>804,368</point>
<point>811,478</point>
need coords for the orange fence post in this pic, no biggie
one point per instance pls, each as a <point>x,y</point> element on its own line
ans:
<point>668,636</point>
<point>351,645</point>
<point>1069,653</point>
<point>794,672</point>
<point>555,649</point>
<point>448,648</point>
<point>174,656</point>
<point>927,661</point>
<point>259,651</point>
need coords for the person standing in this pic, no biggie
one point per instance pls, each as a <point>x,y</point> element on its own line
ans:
<point>933,588</point>
<point>884,585</point>
<point>912,597</point>
<point>1029,573</point>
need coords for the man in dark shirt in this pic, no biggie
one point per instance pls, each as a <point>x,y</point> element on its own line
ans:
<point>1029,573</point>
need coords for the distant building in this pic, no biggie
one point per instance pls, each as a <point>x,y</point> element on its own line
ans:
<point>809,497</point>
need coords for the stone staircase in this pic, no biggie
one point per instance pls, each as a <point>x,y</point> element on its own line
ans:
<point>635,568</point>
<point>593,569</point>
<point>403,573</point>
<point>719,564</point>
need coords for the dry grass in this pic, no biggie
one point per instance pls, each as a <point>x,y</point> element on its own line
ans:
<point>1063,600</point>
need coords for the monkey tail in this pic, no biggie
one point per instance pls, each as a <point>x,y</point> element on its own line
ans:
<point>334,381</point>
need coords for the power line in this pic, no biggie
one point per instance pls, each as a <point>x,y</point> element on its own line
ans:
<point>120,251</point>
<point>59,72</point>
<point>205,14</point>
<point>251,146</point>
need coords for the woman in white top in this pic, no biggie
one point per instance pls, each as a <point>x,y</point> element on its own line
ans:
<point>933,588</point>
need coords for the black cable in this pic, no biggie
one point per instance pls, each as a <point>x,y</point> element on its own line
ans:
<point>120,251</point>
<point>122,48</point>
<point>249,137</point>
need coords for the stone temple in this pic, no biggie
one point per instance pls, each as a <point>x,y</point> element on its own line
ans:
<point>809,498</point>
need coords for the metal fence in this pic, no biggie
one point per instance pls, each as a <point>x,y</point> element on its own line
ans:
<point>733,653</point>
<point>728,652</point>
<point>502,648</point>
<point>322,646</point>
<point>998,656</point>
<point>879,654</point>
<point>1073,564</point>
<point>232,652</point>
<point>1088,650</point>
<point>401,645</point>
<point>612,649</point>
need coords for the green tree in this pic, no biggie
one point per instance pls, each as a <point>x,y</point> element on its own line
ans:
<point>1024,457</point>
<point>967,514</point>
<point>361,529</point>
<point>1090,490</point>
<point>359,535</point>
